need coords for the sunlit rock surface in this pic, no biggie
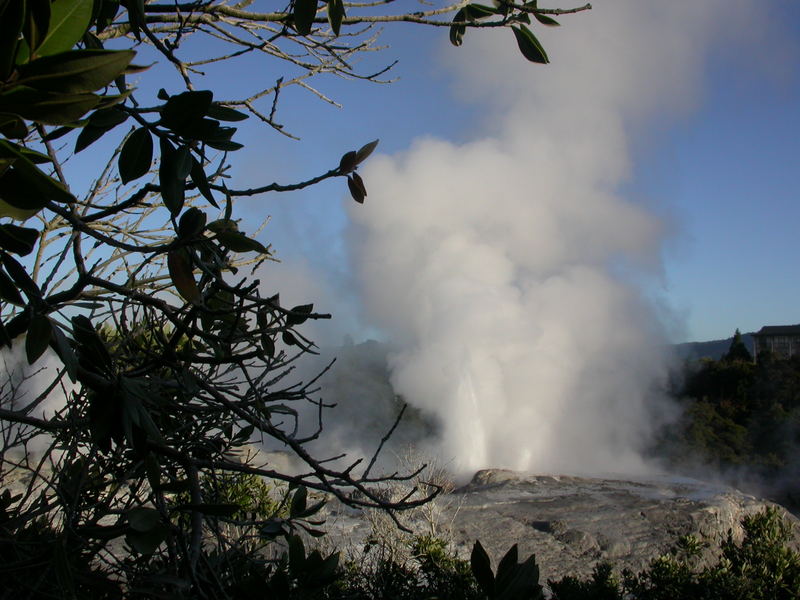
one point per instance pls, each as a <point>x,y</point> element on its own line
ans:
<point>572,523</point>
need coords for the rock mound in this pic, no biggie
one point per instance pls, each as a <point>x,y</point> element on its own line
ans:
<point>572,523</point>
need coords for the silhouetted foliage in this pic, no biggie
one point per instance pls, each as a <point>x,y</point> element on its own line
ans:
<point>170,357</point>
<point>737,350</point>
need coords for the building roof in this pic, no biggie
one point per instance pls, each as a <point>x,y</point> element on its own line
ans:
<point>779,330</point>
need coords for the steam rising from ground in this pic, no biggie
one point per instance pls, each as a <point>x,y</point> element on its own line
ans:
<point>493,266</point>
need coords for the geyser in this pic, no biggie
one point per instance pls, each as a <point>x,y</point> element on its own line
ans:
<point>495,267</point>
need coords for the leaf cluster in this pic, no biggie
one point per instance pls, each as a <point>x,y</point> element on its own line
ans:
<point>140,290</point>
<point>516,17</point>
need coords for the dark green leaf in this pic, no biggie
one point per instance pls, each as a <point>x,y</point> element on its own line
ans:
<point>299,314</point>
<point>507,564</point>
<point>179,265</point>
<point>348,162</point>
<point>87,136</point>
<point>299,501</point>
<point>213,510</point>
<point>175,487</point>
<point>64,351</point>
<point>107,117</point>
<point>363,153</point>
<point>186,107</point>
<point>88,305</point>
<point>303,15</point>
<point>545,20</point>
<point>11,126</point>
<point>297,556</point>
<point>16,190</point>
<point>91,41</point>
<point>268,345</point>
<point>199,179</point>
<point>225,146</point>
<point>108,10</point>
<point>225,113</point>
<point>21,277</point>
<point>312,532</point>
<point>311,510</point>
<point>335,15</point>
<point>12,19</point>
<point>183,162</point>
<point>272,528</point>
<point>209,131</point>
<point>62,131</point>
<point>23,52</point>
<point>356,186</point>
<point>136,155</point>
<point>104,420</point>
<point>92,352</point>
<point>9,291</point>
<point>457,31</point>
<point>38,22</point>
<point>239,242</point>
<point>75,71</point>
<point>29,175</point>
<point>19,240</point>
<point>34,156</point>
<point>112,100</point>
<point>136,16</point>
<point>143,519</point>
<point>289,339</point>
<point>221,225</point>
<point>520,581</point>
<point>68,20</point>
<point>38,337</point>
<point>482,569</point>
<point>132,68</point>
<point>175,166</point>
<point>244,433</point>
<point>146,542</point>
<point>47,107</point>
<point>478,11</point>
<point>529,45</point>
<point>5,339</point>
<point>100,122</point>
<point>191,223</point>
<point>326,572</point>
<point>280,409</point>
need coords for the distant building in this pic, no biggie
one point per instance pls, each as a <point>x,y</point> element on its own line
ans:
<point>782,341</point>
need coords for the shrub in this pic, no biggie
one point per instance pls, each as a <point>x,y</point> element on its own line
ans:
<point>760,567</point>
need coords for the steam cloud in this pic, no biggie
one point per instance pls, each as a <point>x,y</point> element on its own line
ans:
<point>494,266</point>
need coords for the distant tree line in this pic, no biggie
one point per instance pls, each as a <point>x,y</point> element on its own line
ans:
<point>740,418</point>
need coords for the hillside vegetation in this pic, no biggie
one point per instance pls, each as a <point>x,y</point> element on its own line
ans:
<point>741,420</point>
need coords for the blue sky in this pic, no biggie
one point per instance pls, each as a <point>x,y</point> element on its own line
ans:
<point>729,174</point>
<point>716,166</point>
<point>723,173</point>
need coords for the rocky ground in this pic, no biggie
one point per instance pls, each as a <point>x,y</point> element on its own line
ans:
<point>569,523</point>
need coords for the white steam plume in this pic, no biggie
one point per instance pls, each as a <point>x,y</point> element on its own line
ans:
<point>491,265</point>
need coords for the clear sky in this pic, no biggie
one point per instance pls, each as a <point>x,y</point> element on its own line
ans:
<point>729,175</point>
